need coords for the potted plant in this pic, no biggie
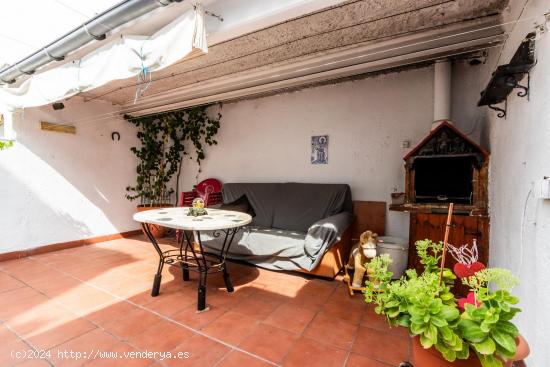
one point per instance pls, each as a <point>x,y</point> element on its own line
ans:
<point>163,137</point>
<point>480,334</point>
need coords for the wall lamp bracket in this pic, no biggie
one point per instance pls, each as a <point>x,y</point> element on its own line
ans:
<point>501,111</point>
<point>507,78</point>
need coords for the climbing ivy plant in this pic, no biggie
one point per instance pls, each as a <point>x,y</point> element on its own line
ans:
<point>5,144</point>
<point>164,138</point>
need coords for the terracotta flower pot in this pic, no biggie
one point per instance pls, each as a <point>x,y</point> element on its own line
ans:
<point>156,231</point>
<point>432,358</point>
<point>522,351</point>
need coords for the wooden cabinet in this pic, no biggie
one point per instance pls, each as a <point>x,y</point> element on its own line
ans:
<point>464,229</point>
<point>369,215</point>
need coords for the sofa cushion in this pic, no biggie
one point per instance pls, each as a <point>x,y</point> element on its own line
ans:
<point>262,197</point>
<point>301,204</point>
<point>240,205</point>
<point>261,244</point>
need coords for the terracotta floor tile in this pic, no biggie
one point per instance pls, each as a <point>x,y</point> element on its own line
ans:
<point>202,352</point>
<point>84,348</point>
<point>13,351</point>
<point>198,320</point>
<point>373,320</point>
<point>14,301</point>
<point>331,331</point>
<point>289,317</point>
<point>168,304</point>
<point>356,360</point>
<point>161,337</point>
<point>56,286</point>
<point>6,335</point>
<point>314,294</point>
<point>121,355</point>
<point>381,346</point>
<point>347,308</point>
<point>238,359</point>
<point>222,298</point>
<point>134,323</point>
<point>61,333</point>
<point>42,318</point>
<point>8,283</point>
<point>84,299</point>
<point>258,306</point>
<point>379,322</point>
<point>109,313</point>
<point>308,352</point>
<point>231,327</point>
<point>269,342</point>
<point>34,363</point>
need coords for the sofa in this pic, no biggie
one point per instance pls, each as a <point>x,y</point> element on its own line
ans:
<point>296,226</point>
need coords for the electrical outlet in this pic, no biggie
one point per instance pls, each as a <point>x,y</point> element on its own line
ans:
<point>541,188</point>
<point>405,144</point>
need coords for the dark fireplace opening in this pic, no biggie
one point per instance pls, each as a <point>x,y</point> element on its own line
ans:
<point>444,179</point>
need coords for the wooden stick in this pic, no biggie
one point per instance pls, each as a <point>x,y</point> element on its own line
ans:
<point>446,241</point>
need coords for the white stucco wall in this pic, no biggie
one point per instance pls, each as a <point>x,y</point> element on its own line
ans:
<point>520,147</point>
<point>58,187</point>
<point>268,139</point>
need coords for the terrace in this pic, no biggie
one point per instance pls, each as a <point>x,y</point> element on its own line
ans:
<point>320,121</point>
<point>98,297</point>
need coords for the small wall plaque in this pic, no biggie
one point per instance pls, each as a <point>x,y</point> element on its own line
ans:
<point>319,149</point>
<point>59,128</point>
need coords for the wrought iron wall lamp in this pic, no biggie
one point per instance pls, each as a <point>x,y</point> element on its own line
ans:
<point>507,77</point>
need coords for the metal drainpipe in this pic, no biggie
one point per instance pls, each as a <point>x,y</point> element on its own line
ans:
<point>94,29</point>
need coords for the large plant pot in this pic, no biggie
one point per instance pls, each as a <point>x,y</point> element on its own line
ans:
<point>432,358</point>
<point>522,351</point>
<point>156,231</point>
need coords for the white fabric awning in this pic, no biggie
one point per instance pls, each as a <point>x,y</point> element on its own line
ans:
<point>123,58</point>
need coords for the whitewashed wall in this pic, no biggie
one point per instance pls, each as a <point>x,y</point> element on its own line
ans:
<point>268,139</point>
<point>520,151</point>
<point>58,187</point>
<point>520,147</point>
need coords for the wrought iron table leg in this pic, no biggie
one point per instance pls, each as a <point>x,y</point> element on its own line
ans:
<point>158,276</point>
<point>227,279</point>
<point>156,285</point>
<point>201,303</point>
<point>185,271</point>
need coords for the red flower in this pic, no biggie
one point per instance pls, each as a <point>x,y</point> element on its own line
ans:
<point>471,299</point>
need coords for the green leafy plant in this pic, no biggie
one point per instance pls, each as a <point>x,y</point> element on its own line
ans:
<point>163,140</point>
<point>487,328</point>
<point>5,144</point>
<point>429,309</point>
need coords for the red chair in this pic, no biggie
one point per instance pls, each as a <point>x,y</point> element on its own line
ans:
<point>210,190</point>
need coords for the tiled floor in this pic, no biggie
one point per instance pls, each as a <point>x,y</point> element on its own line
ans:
<point>96,300</point>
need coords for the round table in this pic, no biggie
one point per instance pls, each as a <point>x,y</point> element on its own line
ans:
<point>191,254</point>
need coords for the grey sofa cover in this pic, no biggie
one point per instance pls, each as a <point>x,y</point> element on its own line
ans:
<point>294,223</point>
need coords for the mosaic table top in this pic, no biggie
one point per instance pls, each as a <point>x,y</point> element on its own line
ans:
<point>177,218</point>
